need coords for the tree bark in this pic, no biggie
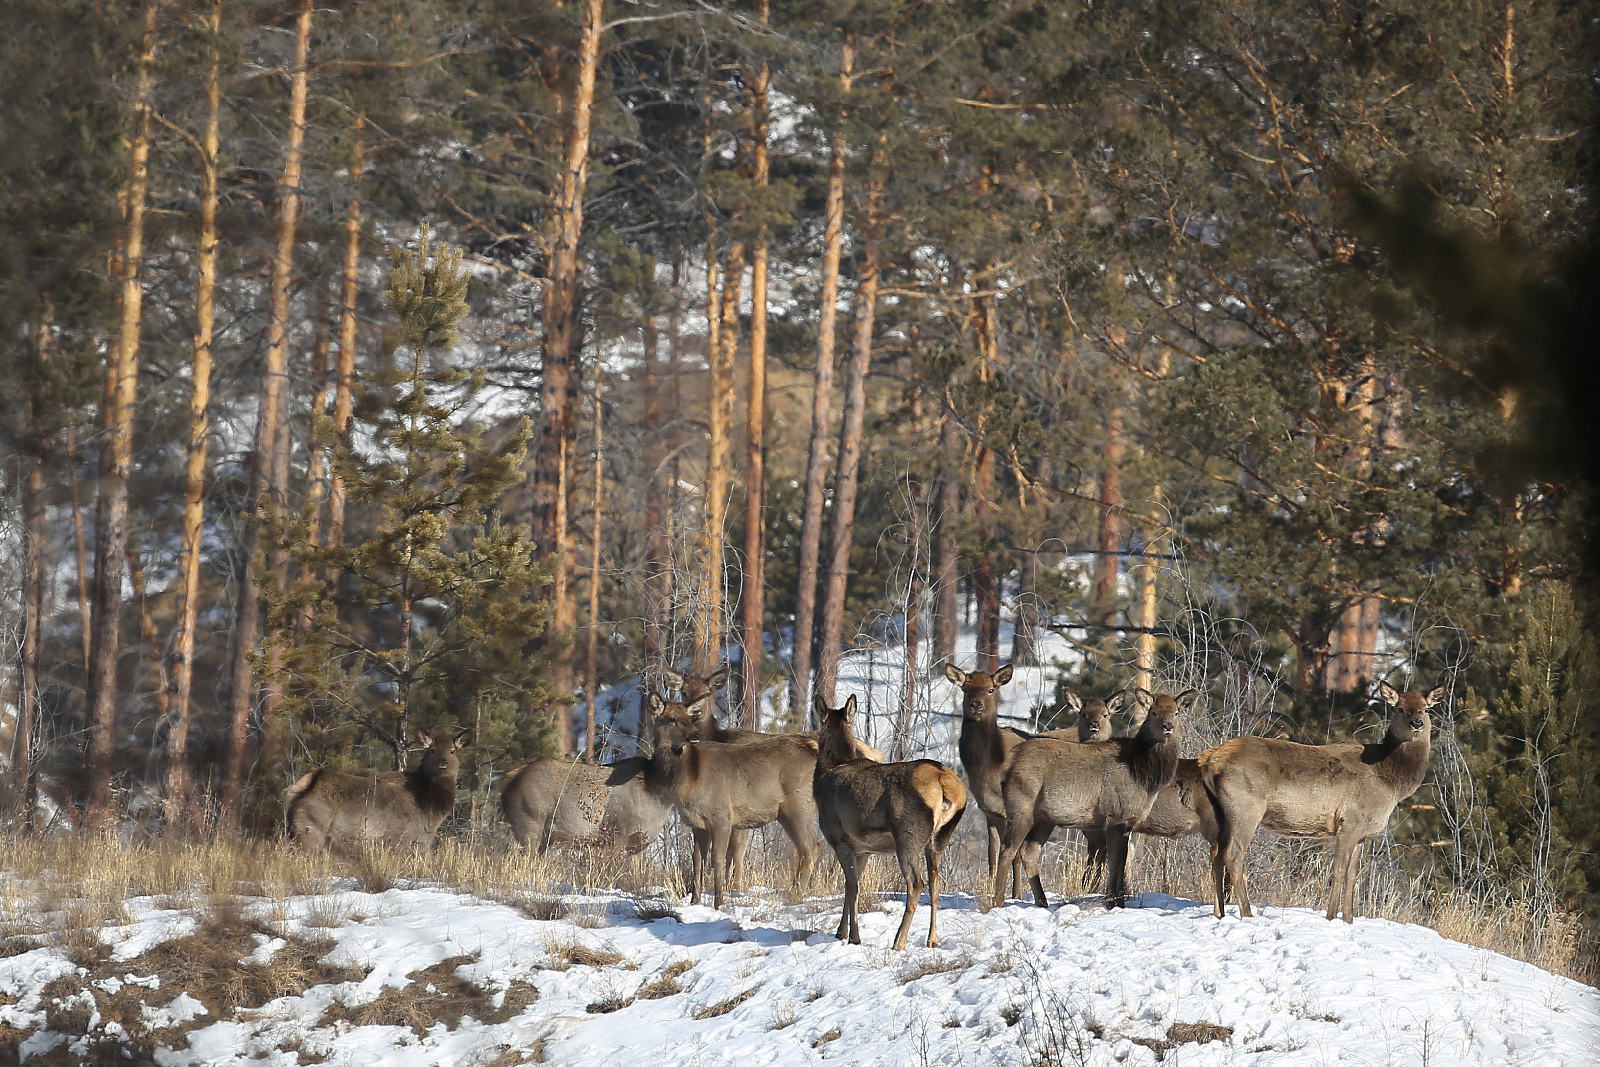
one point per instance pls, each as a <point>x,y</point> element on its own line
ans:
<point>656,558</point>
<point>116,457</point>
<point>841,531</point>
<point>148,635</point>
<point>350,292</point>
<point>946,562</point>
<point>754,602</point>
<point>1147,571</point>
<point>594,573</point>
<point>562,344</point>
<point>1110,532</point>
<point>985,576</point>
<point>821,401</point>
<point>914,586</point>
<point>722,350</point>
<point>247,624</point>
<point>23,770</point>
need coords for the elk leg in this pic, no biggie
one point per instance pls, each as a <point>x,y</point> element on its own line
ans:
<point>847,865</point>
<point>994,847</point>
<point>1239,835</point>
<point>701,844</point>
<point>1344,862</point>
<point>738,842</point>
<point>720,832</point>
<point>1350,877</point>
<point>1116,839</point>
<point>1218,877</point>
<point>932,857</point>
<point>1033,849</point>
<point>998,874</point>
<point>913,880</point>
<point>1094,867</point>
<point>805,846</point>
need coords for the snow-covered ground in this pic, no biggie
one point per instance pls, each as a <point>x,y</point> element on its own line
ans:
<point>764,982</point>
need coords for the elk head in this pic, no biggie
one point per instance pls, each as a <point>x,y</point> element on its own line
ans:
<point>676,724</point>
<point>1094,715</point>
<point>1410,717</point>
<point>439,759</point>
<point>692,686</point>
<point>980,692</point>
<point>1158,715</point>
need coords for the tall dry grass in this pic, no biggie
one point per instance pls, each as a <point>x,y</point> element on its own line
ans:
<point>63,888</point>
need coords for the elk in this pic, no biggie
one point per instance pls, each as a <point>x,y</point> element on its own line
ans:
<point>719,788</point>
<point>693,688</point>
<point>985,750</point>
<point>1102,785</point>
<point>1345,791</point>
<point>866,807</point>
<point>1182,808</point>
<point>328,808</point>
<point>1094,724</point>
<point>553,801</point>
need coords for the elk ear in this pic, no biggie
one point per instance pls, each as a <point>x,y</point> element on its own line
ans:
<point>1436,694</point>
<point>820,704</point>
<point>1387,694</point>
<point>657,705</point>
<point>1073,701</point>
<point>1003,675</point>
<point>850,708</point>
<point>1115,701</point>
<point>673,678</point>
<point>1143,699</point>
<point>955,674</point>
<point>1186,698</point>
<point>717,679</point>
<point>422,737</point>
<point>464,738</point>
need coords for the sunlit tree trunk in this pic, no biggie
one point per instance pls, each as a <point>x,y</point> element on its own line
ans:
<point>946,561</point>
<point>754,602</point>
<point>562,345</point>
<point>269,424</point>
<point>350,291</point>
<point>176,786</point>
<point>821,402</point>
<point>841,531</point>
<point>116,456</point>
<point>1146,572</point>
<point>590,679</point>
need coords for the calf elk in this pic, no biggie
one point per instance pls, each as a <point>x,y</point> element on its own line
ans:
<point>328,808</point>
<point>1345,791</point>
<point>1103,785</point>
<point>553,801</point>
<point>719,788</point>
<point>866,807</point>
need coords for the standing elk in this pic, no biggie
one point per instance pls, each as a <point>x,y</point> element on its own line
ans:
<point>1345,791</point>
<point>1182,808</point>
<point>866,807</point>
<point>720,788</point>
<point>328,808</point>
<point>1103,785</point>
<point>557,801</point>
<point>985,749</point>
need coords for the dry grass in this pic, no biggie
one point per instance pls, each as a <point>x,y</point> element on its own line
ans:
<point>666,984</point>
<point>723,1007</point>
<point>435,995</point>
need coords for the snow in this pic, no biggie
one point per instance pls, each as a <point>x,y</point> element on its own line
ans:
<point>1019,985</point>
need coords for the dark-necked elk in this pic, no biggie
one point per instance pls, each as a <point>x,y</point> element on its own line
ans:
<point>719,788</point>
<point>1345,791</point>
<point>910,809</point>
<point>1103,785</point>
<point>556,801</point>
<point>329,808</point>
<point>985,749</point>
<point>1182,808</point>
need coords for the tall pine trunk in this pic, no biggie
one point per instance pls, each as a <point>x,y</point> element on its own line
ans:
<point>753,604</point>
<point>116,456</point>
<point>821,402</point>
<point>269,425</point>
<point>841,531</point>
<point>657,559</point>
<point>986,577</point>
<point>350,291</point>
<point>34,534</point>
<point>946,560</point>
<point>723,350</point>
<point>562,345</point>
<point>916,560</point>
<point>590,680</point>
<point>1146,572</point>
<point>176,785</point>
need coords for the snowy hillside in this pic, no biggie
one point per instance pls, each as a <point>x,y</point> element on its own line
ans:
<point>612,980</point>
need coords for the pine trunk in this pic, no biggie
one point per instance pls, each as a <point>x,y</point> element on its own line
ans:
<point>34,534</point>
<point>754,602</point>
<point>723,350</point>
<point>657,557</point>
<point>1110,532</point>
<point>116,457</point>
<point>821,402</point>
<point>269,425</point>
<point>562,345</point>
<point>176,786</point>
<point>590,680</point>
<point>1147,571</point>
<point>946,562</point>
<point>841,530</point>
<point>350,291</point>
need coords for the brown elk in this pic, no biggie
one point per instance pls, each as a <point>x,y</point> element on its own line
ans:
<point>1094,724</point>
<point>556,801</point>
<point>866,807</point>
<point>1103,785</point>
<point>1182,808</point>
<point>720,788</point>
<point>985,749</point>
<point>1345,791</point>
<point>328,808</point>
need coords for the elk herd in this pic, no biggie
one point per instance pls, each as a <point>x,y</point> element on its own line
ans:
<point>829,786</point>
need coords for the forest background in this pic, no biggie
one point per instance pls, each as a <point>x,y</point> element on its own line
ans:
<point>384,365</point>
